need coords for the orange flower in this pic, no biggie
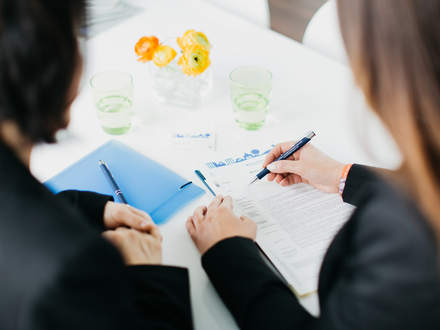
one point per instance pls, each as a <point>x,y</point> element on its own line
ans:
<point>192,37</point>
<point>145,48</point>
<point>194,60</point>
<point>163,55</point>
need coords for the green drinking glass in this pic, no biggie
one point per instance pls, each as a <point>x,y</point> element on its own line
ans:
<point>251,88</point>
<point>112,93</point>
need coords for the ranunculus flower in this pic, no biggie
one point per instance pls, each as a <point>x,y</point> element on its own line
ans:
<point>163,55</point>
<point>191,38</point>
<point>194,60</point>
<point>145,48</point>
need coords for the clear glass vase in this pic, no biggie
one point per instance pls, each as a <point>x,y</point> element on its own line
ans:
<point>172,86</point>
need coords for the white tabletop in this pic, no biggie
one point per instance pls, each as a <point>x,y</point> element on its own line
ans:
<point>310,92</point>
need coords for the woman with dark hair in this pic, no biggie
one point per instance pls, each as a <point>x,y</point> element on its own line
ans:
<point>382,269</point>
<point>57,272</point>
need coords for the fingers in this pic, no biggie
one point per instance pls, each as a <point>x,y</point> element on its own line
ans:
<point>116,214</point>
<point>108,235</point>
<point>217,200</point>
<point>200,211</point>
<point>286,166</point>
<point>142,214</point>
<point>155,232</point>
<point>199,215</point>
<point>190,226</point>
<point>276,152</point>
<point>290,179</point>
<point>271,176</point>
<point>136,247</point>
<point>114,236</point>
<point>138,219</point>
<point>272,155</point>
<point>251,227</point>
<point>286,180</point>
<point>279,178</point>
<point>118,235</point>
<point>227,202</point>
<point>248,221</point>
<point>213,206</point>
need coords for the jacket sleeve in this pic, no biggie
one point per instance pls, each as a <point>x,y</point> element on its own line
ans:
<point>88,203</point>
<point>256,297</point>
<point>360,180</point>
<point>381,273</point>
<point>96,291</point>
<point>162,296</point>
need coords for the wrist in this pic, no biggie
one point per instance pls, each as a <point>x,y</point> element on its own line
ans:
<point>142,260</point>
<point>343,178</point>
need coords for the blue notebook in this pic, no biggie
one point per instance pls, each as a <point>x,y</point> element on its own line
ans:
<point>146,184</point>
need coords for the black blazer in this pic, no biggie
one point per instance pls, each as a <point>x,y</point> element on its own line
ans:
<point>56,272</point>
<point>380,272</point>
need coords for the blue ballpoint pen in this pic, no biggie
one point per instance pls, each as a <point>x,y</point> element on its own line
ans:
<point>301,143</point>
<point>112,181</point>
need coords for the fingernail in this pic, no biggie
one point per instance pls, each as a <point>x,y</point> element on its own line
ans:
<point>271,167</point>
<point>143,224</point>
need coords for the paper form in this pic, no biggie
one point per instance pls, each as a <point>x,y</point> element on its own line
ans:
<point>295,224</point>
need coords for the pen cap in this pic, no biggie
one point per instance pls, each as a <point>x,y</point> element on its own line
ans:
<point>309,135</point>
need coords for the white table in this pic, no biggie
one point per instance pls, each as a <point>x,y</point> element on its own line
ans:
<point>310,92</point>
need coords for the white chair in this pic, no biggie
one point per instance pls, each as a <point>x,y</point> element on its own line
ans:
<point>323,34</point>
<point>256,11</point>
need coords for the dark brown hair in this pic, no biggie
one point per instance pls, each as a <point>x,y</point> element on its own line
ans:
<point>394,50</point>
<point>38,61</point>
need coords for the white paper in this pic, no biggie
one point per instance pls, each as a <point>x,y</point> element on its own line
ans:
<point>295,224</point>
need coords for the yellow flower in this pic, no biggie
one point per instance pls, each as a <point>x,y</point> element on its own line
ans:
<point>145,48</point>
<point>194,60</point>
<point>163,55</point>
<point>194,38</point>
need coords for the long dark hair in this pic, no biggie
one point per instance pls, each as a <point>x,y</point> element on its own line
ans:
<point>38,60</point>
<point>394,50</point>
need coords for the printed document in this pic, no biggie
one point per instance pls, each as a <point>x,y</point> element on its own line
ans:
<point>295,224</point>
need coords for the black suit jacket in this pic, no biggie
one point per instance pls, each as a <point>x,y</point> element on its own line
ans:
<point>380,272</point>
<point>56,272</point>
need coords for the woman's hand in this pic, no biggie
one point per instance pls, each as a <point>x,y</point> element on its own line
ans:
<point>308,165</point>
<point>117,215</point>
<point>137,247</point>
<point>212,224</point>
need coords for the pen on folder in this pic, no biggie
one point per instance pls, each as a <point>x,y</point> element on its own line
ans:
<point>301,143</point>
<point>112,181</point>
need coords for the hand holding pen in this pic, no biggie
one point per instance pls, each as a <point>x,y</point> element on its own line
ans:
<point>308,165</point>
<point>288,153</point>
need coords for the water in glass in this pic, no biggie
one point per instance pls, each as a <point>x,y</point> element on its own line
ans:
<point>114,113</point>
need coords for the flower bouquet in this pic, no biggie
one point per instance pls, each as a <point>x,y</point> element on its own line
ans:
<point>184,81</point>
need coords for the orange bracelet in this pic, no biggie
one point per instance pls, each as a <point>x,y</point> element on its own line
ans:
<point>344,178</point>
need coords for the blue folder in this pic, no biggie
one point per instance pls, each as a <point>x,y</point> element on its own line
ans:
<point>146,184</point>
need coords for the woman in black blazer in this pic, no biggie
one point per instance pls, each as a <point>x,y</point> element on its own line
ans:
<point>382,269</point>
<point>56,271</point>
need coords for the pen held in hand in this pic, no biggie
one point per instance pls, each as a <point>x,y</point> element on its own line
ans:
<point>301,143</point>
<point>112,181</point>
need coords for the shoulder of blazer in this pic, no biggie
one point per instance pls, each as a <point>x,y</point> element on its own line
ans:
<point>386,230</point>
<point>21,193</point>
<point>34,224</point>
<point>39,236</point>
